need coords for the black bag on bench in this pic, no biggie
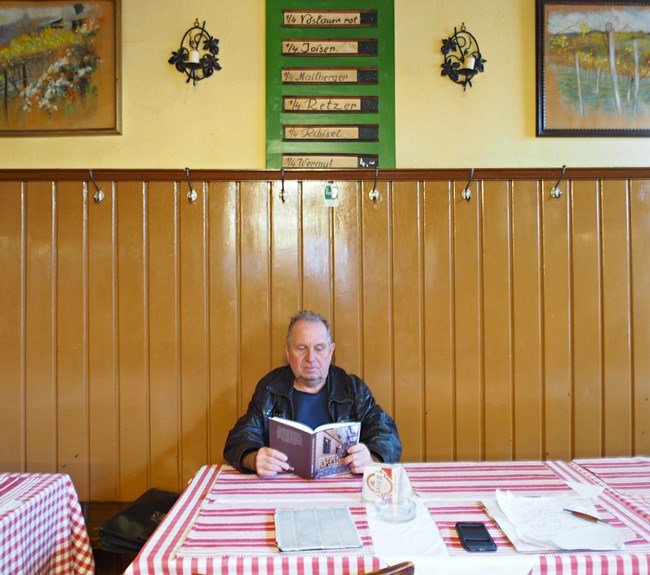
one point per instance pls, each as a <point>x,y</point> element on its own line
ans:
<point>128,530</point>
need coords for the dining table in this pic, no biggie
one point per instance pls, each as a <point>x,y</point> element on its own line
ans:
<point>42,528</point>
<point>223,522</point>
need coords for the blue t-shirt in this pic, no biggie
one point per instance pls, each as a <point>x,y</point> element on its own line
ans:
<point>311,408</point>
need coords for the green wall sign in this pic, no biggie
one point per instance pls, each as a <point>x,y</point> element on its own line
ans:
<point>330,84</point>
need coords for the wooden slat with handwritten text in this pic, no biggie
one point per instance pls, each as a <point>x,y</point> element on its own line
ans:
<point>329,47</point>
<point>330,75</point>
<point>329,18</point>
<point>329,161</point>
<point>331,132</point>
<point>329,104</point>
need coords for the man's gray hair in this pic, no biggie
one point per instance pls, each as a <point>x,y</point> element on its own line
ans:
<point>306,315</point>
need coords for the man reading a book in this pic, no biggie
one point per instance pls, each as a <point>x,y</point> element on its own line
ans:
<point>312,391</point>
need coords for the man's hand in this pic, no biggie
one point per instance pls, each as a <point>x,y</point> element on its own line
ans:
<point>266,462</point>
<point>358,457</point>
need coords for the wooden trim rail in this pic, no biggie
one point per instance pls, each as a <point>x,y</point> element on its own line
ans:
<point>395,175</point>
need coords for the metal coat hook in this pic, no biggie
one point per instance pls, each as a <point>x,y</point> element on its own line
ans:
<point>98,196</point>
<point>374,193</point>
<point>556,192</point>
<point>283,195</point>
<point>191,195</point>
<point>467,193</point>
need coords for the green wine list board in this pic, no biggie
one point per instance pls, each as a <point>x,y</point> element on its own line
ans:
<point>330,84</point>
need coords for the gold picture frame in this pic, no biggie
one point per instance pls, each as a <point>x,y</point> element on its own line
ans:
<point>60,67</point>
<point>592,68</point>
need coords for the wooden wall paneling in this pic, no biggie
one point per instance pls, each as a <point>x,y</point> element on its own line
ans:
<point>639,242</point>
<point>134,329</point>
<point>224,312</point>
<point>556,265</point>
<point>71,334</point>
<point>40,328</point>
<point>133,345</point>
<point>527,316</point>
<point>346,320</point>
<point>497,294</point>
<point>407,334</point>
<point>617,286</point>
<point>194,375</point>
<point>286,251</point>
<point>377,352</point>
<point>587,319</point>
<point>12,407</point>
<point>102,358</point>
<point>437,317</point>
<point>255,296</point>
<point>163,261</point>
<point>469,384</point>
<point>316,255</point>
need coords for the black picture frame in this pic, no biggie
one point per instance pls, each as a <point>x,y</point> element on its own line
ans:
<point>575,65</point>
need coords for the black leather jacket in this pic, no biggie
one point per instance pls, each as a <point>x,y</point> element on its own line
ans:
<point>349,399</point>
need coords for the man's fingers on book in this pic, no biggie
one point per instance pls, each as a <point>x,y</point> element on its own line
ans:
<point>282,465</point>
<point>279,455</point>
<point>277,460</point>
<point>272,466</point>
<point>272,454</point>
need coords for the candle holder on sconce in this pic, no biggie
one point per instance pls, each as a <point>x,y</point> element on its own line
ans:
<point>463,58</point>
<point>197,55</point>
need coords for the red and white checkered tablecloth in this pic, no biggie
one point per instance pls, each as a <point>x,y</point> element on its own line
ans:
<point>42,528</point>
<point>629,475</point>
<point>463,480</point>
<point>238,511</point>
<point>547,477</point>
<point>223,522</point>
<point>248,489</point>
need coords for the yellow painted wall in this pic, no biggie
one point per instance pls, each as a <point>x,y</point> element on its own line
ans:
<point>220,122</point>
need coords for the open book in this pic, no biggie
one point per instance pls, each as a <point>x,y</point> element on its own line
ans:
<point>314,453</point>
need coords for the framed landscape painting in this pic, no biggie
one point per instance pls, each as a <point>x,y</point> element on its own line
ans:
<point>593,68</point>
<point>59,67</point>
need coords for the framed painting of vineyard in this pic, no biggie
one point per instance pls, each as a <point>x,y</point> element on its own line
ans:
<point>60,67</point>
<point>593,68</point>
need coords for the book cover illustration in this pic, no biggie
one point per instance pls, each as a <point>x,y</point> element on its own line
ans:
<point>314,453</point>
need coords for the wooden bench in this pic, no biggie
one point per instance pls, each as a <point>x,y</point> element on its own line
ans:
<point>96,513</point>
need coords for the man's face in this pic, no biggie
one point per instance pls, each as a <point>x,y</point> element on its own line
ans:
<point>309,353</point>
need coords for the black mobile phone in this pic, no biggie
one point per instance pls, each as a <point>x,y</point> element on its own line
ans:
<point>474,536</point>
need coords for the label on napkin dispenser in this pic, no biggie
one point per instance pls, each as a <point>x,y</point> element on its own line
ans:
<point>381,481</point>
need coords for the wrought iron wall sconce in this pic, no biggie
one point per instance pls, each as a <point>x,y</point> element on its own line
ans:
<point>463,58</point>
<point>197,55</point>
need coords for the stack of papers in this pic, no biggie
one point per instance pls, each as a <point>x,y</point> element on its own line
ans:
<point>315,528</point>
<point>535,524</point>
